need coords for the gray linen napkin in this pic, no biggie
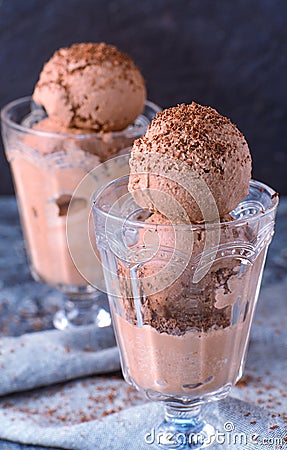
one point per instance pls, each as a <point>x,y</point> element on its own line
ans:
<point>105,413</point>
<point>265,377</point>
<point>51,419</point>
<point>48,357</point>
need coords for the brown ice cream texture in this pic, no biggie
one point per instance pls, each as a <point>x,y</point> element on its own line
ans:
<point>191,337</point>
<point>91,86</point>
<point>197,144</point>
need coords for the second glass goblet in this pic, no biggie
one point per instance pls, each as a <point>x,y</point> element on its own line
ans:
<point>47,167</point>
<point>182,310</point>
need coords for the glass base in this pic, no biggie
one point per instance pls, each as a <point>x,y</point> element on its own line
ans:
<point>183,428</point>
<point>79,312</point>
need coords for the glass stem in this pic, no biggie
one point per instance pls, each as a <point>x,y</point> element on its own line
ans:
<point>183,428</point>
<point>82,305</point>
<point>183,416</point>
<point>82,308</point>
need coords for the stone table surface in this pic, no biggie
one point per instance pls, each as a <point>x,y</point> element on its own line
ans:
<point>27,306</point>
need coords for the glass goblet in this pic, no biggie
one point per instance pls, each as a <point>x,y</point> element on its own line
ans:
<point>47,167</point>
<point>182,310</point>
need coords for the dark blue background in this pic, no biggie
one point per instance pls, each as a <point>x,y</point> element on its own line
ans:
<point>230,54</point>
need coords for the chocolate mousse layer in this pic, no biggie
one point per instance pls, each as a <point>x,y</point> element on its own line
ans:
<point>193,338</point>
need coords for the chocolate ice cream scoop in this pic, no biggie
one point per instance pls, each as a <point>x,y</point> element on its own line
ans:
<point>91,86</point>
<point>194,156</point>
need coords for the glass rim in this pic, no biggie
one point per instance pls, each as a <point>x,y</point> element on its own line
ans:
<point>23,129</point>
<point>274,196</point>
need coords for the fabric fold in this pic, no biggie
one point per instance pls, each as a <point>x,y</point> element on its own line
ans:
<point>237,425</point>
<point>47,357</point>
